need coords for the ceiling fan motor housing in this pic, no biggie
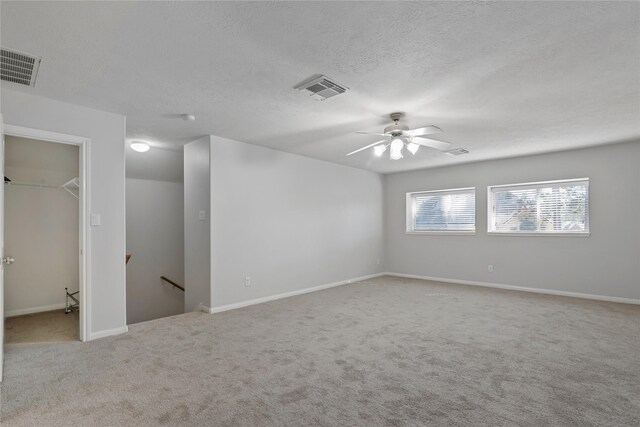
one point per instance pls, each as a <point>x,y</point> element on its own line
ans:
<point>395,130</point>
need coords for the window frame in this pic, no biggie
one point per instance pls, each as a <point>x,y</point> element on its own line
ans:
<point>537,184</point>
<point>409,220</point>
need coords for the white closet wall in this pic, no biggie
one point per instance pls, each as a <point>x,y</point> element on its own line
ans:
<point>41,225</point>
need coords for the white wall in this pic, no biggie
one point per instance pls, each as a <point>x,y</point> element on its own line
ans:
<point>106,131</point>
<point>197,232</point>
<point>157,164</point>
<point>41,233</point>
<point>155,238</point>
<point>607,263</point>
<point>289,222</point>
<point>41,225</point>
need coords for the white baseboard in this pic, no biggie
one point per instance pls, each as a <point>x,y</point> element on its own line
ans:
<point>108,333</point>
<point>203,308</point>
<point>20,312</point>
<point>290,294</point>
<point>520,288</point>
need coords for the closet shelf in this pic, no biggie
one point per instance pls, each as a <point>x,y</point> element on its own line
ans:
<point>72,186</point>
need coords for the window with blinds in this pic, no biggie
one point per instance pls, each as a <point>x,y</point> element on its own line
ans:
<point>442,211</point>
<point>551,207</point>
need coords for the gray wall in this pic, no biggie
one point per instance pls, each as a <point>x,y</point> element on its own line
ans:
<point>40,225</point>
<point>42,235</point>
<point>289,222</point>
<point>157,164</point>
<point>106,131</point>
<point>606,263</point>
<point>197,232</point>
<point>155,238</point>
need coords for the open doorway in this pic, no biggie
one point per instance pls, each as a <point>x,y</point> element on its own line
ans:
<point>155,233</point>
<point>42,209</point>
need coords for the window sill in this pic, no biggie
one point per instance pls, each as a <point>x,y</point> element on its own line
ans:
<point>442,233</point>
<point>494,233</point>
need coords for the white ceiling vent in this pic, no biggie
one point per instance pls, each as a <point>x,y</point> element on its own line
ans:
<point>456,152</point>
<point>321,87</point>
<point>17,67</point>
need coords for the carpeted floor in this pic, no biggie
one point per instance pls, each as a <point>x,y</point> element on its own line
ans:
<point>48,326</point>
<point>389,351</point>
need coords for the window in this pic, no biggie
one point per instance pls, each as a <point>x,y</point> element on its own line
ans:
<point>447,211</point>
<point>551,208</point>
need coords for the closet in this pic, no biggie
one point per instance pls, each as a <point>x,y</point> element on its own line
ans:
<point>41,235</point>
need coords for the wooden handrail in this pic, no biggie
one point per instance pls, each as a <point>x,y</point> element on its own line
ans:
<point>172,282</point>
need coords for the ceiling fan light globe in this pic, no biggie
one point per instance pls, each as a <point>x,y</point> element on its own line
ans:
<point>397,144</point>
<point>395,154</point>
<point>379,150</point>
<point>396,149</point>
<point>413,147</point>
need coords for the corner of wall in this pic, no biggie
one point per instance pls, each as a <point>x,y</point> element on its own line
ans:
<point>197,222</point>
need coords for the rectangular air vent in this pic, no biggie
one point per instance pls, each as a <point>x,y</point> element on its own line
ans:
<point>456,152</point>
<point>19,68</point>
<point>321,87</point>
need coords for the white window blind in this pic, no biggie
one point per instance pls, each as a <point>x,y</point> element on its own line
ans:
<point>442,211</point>
<point>551,207</point>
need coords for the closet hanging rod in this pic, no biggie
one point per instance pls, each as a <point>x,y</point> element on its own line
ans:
<point>27,184</point>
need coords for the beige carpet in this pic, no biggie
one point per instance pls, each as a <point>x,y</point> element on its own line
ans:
<point>48,326</point>
<point>389,352</point>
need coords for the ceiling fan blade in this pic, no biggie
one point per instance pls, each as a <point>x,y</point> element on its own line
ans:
<point>368,146</point>
<point>427,130</point>
<point>427,142</point>
<point>367,133</point>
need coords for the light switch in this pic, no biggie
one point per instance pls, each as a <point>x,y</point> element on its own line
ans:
<point>201,215</point>
<point>95,220</point>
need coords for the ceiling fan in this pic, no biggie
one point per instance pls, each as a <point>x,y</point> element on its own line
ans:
<point>397,137</point>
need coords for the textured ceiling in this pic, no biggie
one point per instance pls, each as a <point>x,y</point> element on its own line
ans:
<point>502,79</point>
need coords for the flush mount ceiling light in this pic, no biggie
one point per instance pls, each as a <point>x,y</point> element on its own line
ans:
<point>397,137</point>
<point>139,146</point>
<point>187,117</point>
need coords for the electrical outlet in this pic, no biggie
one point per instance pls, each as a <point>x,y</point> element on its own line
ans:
<point>247,281</point>
<point>490,268</point>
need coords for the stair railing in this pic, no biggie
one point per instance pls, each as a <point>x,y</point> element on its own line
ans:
<point>172,283</point>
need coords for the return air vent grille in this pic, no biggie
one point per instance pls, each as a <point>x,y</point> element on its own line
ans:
<point>321,87</point>
<point>18,67</point>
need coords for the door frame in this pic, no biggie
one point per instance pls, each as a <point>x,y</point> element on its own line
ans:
<point>84,205</point>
